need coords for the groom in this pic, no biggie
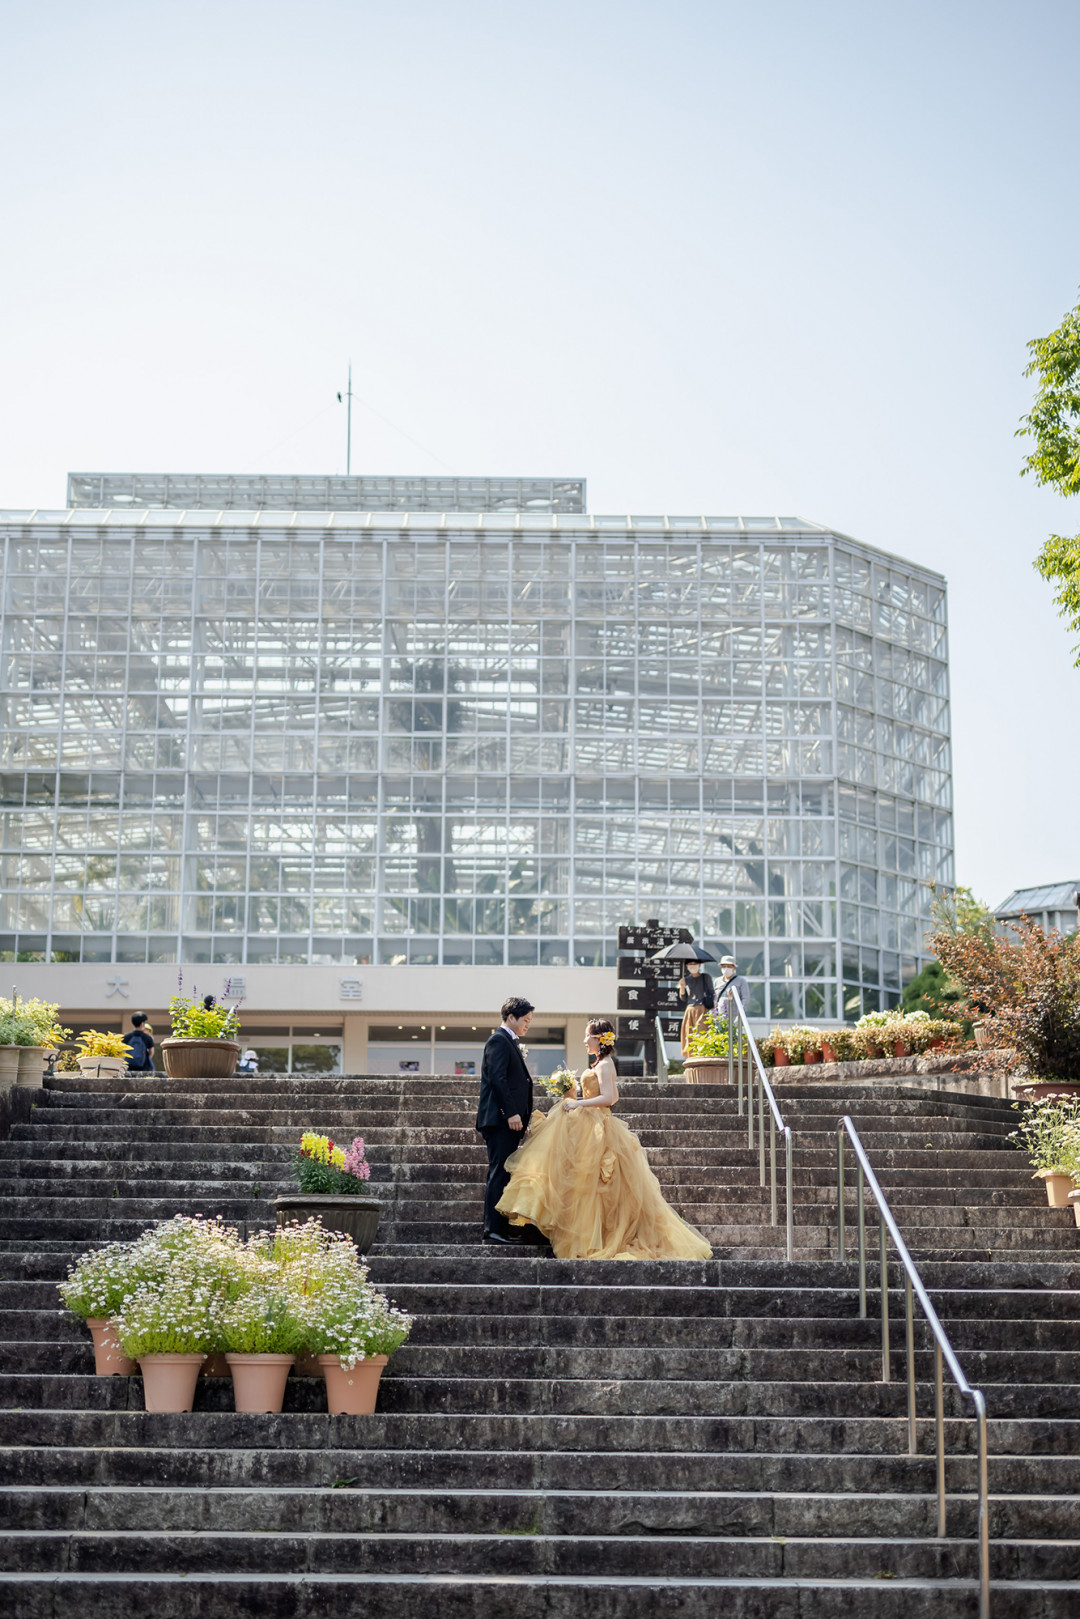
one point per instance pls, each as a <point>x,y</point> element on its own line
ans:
<point>506,1101</point>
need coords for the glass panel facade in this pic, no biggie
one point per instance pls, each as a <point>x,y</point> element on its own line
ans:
<point>230,738</point>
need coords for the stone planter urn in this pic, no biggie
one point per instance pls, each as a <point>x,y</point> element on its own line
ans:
<point>31,1066</point>
<point>9,1065</point>
<point>356,1217</point>
<point>352,1393</point>
<point>200,1059</point>
<point>1035,1090</point>
<point>98,1067</point>
<point>705,1070</point>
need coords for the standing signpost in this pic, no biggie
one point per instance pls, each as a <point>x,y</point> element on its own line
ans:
<point>647,990</point>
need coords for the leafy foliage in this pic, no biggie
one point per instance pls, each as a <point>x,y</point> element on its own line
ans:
<point>102,1043</point>
<point>709,1039</point>
<point>1054,423</point>
<point>202,1022</point>
<point>30,1023</point>
<point>1028,982</point>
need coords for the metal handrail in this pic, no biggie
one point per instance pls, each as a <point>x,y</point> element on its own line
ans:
<point>943,1350</point>
<point>776,1120</point>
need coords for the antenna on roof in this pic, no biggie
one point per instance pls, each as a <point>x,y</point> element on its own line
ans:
<point>348,396</point>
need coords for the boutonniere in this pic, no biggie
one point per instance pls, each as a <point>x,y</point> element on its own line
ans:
<point>523,1049</point>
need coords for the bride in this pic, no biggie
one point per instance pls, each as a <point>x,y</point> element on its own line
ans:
<point>582,1178</point>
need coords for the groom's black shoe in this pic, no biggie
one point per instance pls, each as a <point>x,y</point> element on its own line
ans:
<point>495,1236</point>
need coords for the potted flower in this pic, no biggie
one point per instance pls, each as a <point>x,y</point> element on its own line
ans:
<point>773,1050</point>
<point>351,1327</point>
<point>261,1334</point>
<point>706,1060</point>
<point>102,1053</point>
<point>332,1181</point>
<point>93,1290</point>
<point>1049,1133</point>
<point>170,1322</point>
<point>203,1043</point>
<point>28,1028</point>
<point>802,1044</point>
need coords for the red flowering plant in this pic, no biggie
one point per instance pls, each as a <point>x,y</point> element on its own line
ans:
<point>324,1167</point>
<point>1025,984</point>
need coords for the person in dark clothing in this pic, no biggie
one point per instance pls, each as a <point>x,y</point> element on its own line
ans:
<point>506,1104</point>
<point>699,994</point>
<point>140,1042</point>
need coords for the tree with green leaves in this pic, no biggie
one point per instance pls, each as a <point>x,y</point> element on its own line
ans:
<point>1054,424</point>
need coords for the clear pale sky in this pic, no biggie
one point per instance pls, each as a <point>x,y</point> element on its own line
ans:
<point>780,258</point>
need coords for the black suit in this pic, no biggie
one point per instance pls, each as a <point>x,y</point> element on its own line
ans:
<point>505,1089</point>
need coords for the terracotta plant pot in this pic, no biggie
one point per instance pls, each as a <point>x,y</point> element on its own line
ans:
<point>9,1066</point>
<point>352,1394</point>
<point>215,1365</point>
<point>936,1045</point>
<point>1058,1187</point>
<point>901,1048</point>
<point>357,1217</point>
<point>706,1070</point>
<point>169,1381</point>
<point>31,1066</point>
<point>1074,1199</point>
<point>781,1058</point>
<point>827,1052</point>
<point>259,1380</point>
<point>811,1056</point>
<point>109,1358</point>
<point>200,1059</point>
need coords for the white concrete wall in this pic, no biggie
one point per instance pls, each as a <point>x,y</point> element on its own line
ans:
<point>456,994</point>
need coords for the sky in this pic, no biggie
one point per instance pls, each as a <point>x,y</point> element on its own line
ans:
<point>781,258</point>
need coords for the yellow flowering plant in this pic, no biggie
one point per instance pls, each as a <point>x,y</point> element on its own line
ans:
<point>324,1167</point>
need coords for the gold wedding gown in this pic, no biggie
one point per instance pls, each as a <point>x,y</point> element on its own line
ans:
<point>582,1178</point>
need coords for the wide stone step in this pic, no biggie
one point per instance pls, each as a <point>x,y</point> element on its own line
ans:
<point>528,1552</point>
<point>555,1512</point>
<point>526,1596</point>
<point>526,1391</point>
<point>217,1466</point>
<point>591,1433</point>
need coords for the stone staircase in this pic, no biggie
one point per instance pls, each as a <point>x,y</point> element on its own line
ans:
<point>557,1438</point>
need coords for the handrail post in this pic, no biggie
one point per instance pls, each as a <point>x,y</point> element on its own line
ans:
<point>840,1193</point>
<point>790,1194</point>
<point>886,1364</point>
<point>761,1132</point>
<point>774,1217</point>
<point>939,1413</point>
<point>731,1050</point>
<point>751,1079</point>
<point>862,1242</point>
<point>984,1508</point>
<point>909,1305</point>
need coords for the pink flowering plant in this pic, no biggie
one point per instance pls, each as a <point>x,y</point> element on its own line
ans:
<point>324,1167</point>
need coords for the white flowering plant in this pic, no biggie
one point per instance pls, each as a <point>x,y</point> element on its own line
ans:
<point>342,1313</point>
<point>98,1283</point>
<point>190,1285</point>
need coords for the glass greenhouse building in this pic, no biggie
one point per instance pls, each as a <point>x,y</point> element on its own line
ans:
<point>450,722</point>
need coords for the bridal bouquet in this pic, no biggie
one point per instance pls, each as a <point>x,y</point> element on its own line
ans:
<point>563,1082</point>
